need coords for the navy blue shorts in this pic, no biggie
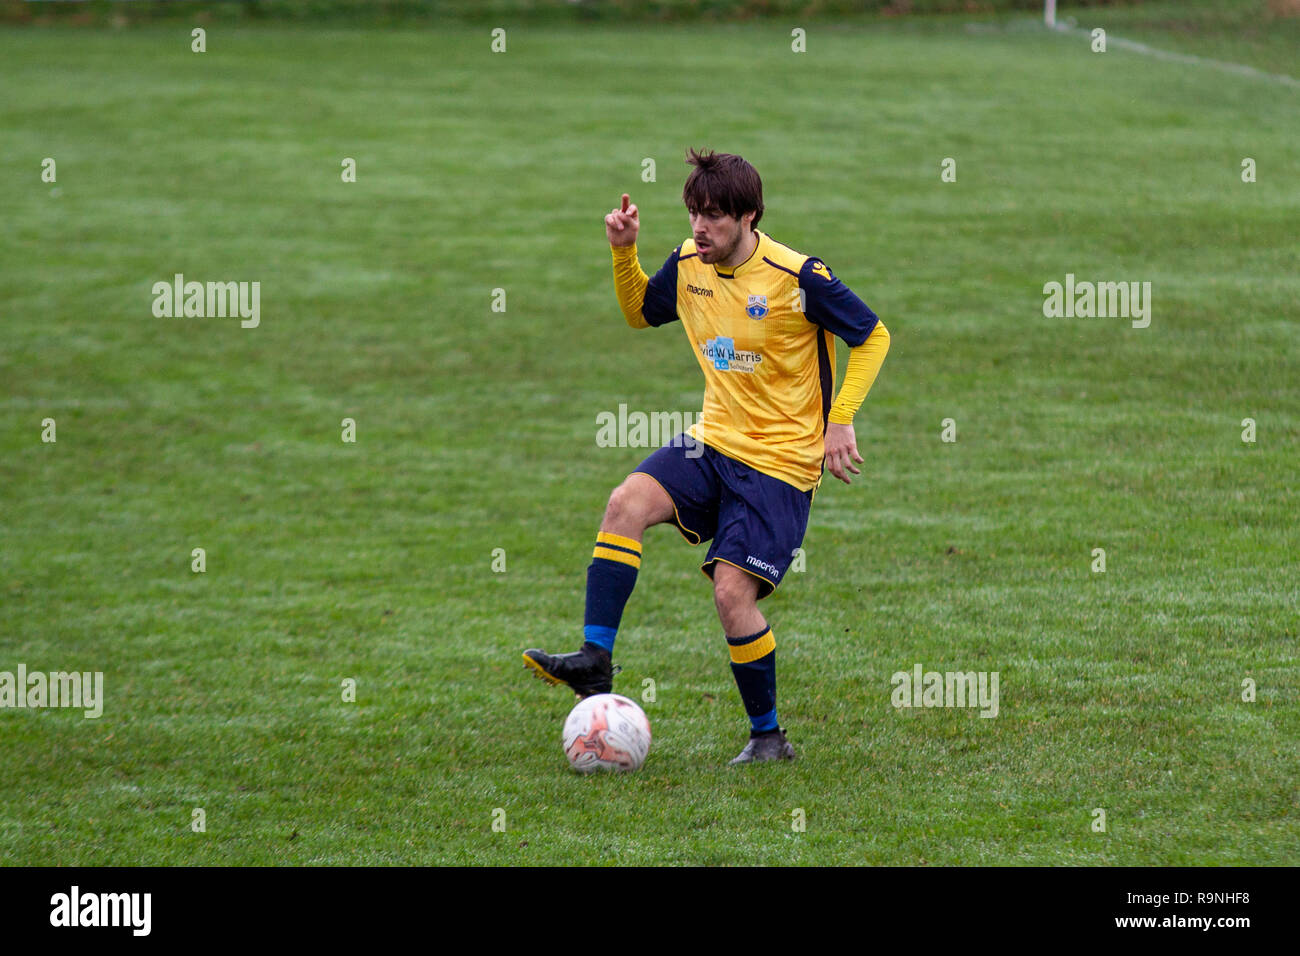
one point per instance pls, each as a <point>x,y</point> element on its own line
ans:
<point>756,521</point>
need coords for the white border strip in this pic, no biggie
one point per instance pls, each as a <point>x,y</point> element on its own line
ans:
<point>1239,68</point>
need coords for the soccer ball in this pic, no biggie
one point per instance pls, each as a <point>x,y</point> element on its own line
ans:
<point>606,732</point>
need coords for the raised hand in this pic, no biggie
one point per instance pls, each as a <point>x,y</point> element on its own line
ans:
<point>622,225</point>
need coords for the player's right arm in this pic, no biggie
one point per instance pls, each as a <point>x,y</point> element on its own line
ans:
<point>645,301</point>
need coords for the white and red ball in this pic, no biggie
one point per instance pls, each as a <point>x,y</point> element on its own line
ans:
<point>606,732</point>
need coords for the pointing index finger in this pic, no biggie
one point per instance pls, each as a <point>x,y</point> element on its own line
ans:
<point>626,199</point>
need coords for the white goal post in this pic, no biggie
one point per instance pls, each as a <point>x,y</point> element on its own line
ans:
<point>1049,13</point>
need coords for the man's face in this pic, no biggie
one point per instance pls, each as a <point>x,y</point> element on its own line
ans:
<point>716,234</point>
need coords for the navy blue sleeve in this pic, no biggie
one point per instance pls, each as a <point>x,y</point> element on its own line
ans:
<point>832,305</point>
<point>660,306</point>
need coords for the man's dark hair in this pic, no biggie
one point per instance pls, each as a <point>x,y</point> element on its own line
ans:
<point>723,181</point>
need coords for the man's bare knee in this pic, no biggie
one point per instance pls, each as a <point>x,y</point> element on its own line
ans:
<point>734,591</point>
<point>736,595</point>
<point>635,505</point>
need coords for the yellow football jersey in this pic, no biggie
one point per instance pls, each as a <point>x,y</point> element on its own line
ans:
<point>763,334</point>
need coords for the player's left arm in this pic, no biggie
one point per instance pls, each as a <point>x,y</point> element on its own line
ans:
<point>832,305</point>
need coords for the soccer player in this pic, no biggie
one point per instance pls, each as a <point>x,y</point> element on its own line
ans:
<point>760,319</point>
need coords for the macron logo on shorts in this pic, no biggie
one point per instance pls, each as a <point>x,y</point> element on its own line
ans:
<point>763,566</point>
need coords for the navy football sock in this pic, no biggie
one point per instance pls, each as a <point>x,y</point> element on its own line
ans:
<point>753,664</point>
<point>611,576</point>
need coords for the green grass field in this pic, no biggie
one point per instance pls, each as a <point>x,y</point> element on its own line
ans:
<point>476,429</point>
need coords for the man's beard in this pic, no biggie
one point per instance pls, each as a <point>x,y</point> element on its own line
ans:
<point>717,253</point>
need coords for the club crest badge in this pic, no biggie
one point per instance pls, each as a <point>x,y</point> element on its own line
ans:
<point>757,308</point>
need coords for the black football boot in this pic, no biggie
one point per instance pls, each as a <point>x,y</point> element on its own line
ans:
<point>588,671</point>
<point>769,745</point>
